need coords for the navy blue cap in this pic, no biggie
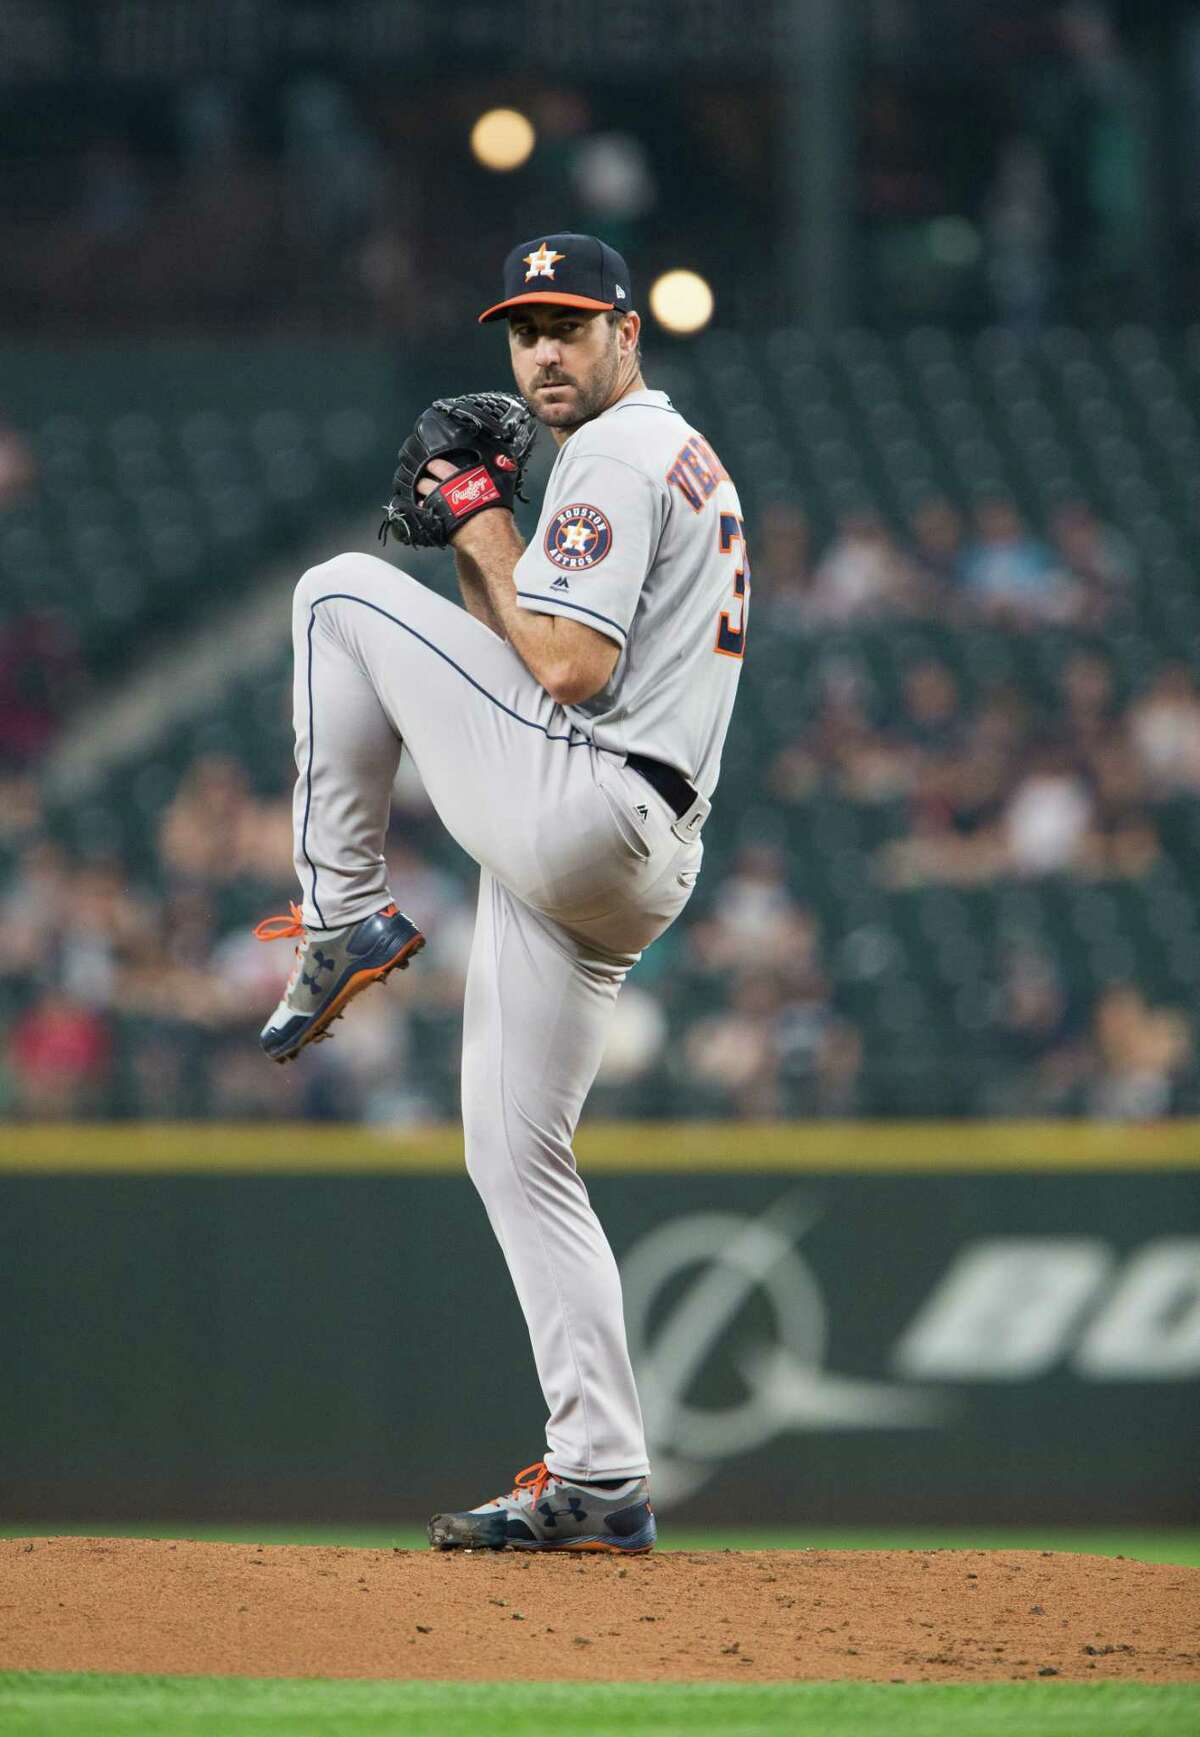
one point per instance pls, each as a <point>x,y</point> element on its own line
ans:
<point>573,271</point>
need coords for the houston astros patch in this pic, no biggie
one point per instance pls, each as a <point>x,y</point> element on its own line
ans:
<point>578,536</point>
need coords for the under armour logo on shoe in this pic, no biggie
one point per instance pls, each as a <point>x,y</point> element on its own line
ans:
<point>642,810</point>
<point>559,585</point>
<point>321,962</point>
<point>574,1510</point>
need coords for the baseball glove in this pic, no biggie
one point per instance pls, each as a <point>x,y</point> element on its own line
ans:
<point>487,436</point>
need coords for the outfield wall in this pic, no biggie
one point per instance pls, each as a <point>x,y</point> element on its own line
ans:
<point>832,1323</point>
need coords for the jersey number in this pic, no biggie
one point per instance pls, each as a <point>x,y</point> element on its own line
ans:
<point>731,626</point>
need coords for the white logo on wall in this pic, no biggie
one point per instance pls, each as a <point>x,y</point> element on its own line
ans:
<point>1007,1309</point>
<point>1014,1308</point>
<point>729,1260</point>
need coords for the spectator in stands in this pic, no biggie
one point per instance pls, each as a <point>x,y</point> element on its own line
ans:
<point>59,1055</point>
<point>842,747</point>
<point>1140,1055</point>
<point>1165,729</point>
<point>1089,710</point>
<point>1123,841</point>
<point>104,929</point>
<point>1033,1017</point>
<point>936,535</point>
<point>862,573</point>
<point>1011,576</point>
<point>931,719</point>
<point>953,827</point>
<point>636,1040</point>
<point>757,924</point>
<point>836,1090</point>
<point>32,907</point>
<point>216,830</point>
<point>782,576</point>
<point>815,1051</point>
<point>1049,816</point>
<point>1096,557</point>
<point>733,1056</point>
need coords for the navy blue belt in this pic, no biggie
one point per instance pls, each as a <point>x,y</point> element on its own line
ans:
<point>672,786</point>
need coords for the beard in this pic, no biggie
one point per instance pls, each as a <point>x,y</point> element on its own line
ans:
<point>577,406</point>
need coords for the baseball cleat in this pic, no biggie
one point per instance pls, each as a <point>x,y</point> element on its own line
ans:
<point>546,1512</point>
<point>330,970</point>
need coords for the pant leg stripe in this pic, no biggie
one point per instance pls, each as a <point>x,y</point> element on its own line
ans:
<point>530,723</point>
<point>312,616</point>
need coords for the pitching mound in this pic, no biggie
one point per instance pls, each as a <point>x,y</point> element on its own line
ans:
<point>117,1604</point>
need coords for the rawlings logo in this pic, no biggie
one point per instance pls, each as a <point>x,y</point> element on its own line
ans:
<point>503,462</point>
<point>470,490</point>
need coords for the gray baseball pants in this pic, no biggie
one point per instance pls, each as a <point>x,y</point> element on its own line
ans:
<point>580,870</point>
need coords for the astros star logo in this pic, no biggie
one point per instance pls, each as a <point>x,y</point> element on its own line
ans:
<point>542,262</point>
<point>577,537</point>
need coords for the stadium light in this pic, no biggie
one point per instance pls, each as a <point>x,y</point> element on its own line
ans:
<point>681,301</point>
<point>502,139</point>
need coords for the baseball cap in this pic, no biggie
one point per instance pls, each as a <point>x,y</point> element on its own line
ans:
<point>574,271</point>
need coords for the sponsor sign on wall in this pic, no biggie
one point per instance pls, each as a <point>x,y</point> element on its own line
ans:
<point>811,1348</point>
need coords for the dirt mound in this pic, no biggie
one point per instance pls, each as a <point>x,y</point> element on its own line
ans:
<point>119,1604</point>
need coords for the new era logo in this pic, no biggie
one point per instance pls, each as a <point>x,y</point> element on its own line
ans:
<point>559,585</point>
<point>642,810</point>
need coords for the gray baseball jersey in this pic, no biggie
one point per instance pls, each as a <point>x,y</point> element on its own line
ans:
<point>641,538</point>
<point>583,862</point>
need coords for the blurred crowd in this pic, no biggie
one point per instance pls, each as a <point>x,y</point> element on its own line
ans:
<point>998,787</point>
<point>993,568</point>
<point>318,201</point>
<point>1001,160</point>
<point>136,987</point>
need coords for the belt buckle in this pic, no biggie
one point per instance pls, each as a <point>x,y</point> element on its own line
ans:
<point>687,827</point>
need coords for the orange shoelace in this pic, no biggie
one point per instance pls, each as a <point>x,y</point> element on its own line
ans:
<point>534,1478</point>
<point>281,928</point>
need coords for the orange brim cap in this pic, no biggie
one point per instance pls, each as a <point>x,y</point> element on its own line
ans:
<point>562,300</point>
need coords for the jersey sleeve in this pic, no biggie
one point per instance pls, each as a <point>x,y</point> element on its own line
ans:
<point>595,544</point>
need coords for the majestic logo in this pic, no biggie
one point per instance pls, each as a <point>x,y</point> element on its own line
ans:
<point>560,584</point>
<point>641,809</point>
<point>578,536</point>
<point>469,490</point>
<point>732,1267</point>
<point>542,262</point>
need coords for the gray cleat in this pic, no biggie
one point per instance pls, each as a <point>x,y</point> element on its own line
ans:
<point>546,1512</point>
<point>331,968</point>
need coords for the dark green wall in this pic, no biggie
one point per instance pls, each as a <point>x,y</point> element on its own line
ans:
<point>332,1347</point>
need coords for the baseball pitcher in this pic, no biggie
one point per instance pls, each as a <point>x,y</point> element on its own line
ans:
<point>568,727</point>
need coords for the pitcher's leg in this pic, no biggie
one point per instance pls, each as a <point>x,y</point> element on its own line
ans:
<point>536,1016</point>
<point>382,660</point>
<point>347,754</point>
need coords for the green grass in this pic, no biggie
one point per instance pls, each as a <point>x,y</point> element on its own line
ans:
<point>84,1705</point>
<point>96,1706</point>
<point>1145,1544</point>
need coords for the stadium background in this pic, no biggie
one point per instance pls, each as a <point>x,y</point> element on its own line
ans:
<point>928,1029</point>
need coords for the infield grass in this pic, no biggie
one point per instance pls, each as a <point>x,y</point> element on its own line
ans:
<point>104,1706</point>
<point>1143,1544</point>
